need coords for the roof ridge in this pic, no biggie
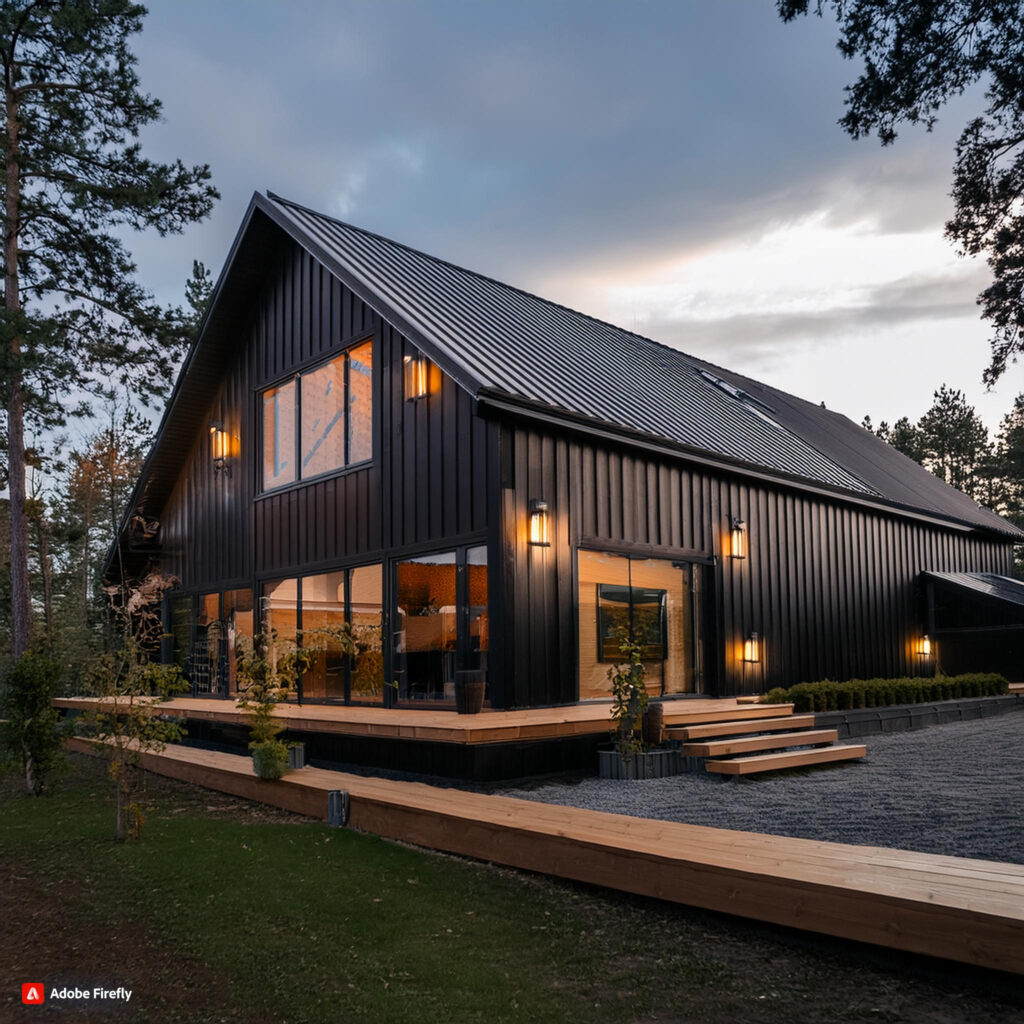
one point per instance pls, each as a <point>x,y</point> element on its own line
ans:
<point>483,277</point>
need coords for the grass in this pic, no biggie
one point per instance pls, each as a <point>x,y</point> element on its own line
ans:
<point>226,911</point>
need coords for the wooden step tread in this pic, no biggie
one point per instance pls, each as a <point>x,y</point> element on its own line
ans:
<point>699,732</point>
<point>677,713</point>
<point>786,759</point>
<point>774,741</point>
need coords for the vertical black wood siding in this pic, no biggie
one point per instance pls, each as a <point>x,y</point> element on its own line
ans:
<point>829,586</point>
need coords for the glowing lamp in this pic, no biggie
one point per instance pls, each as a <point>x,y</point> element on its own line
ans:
<point>220,448</point>
<point>737,539</point>
<point>752,648</point>
<point>924,647</point>
<point>416,377</point>
<point>539,523</point>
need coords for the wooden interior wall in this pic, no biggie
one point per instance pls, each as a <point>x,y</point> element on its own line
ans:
<point>831,587</point>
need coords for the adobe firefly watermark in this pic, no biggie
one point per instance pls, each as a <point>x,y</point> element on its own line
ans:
<point>35,993</point>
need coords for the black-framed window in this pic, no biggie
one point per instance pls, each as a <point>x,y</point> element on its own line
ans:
<point>206,634</point>
<point>308,611</point>
<point>320,420</point>
<point>639,612</point>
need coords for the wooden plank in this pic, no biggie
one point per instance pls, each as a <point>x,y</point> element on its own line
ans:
<point>723,712</point>
<point>962,909</point>
<point>736,728</point>
<point>787,759</point>
<point>775,741</point>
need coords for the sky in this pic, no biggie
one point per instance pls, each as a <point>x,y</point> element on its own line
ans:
<point>672,167</point>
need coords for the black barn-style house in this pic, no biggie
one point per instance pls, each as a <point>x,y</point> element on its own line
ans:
<point>477,478</point>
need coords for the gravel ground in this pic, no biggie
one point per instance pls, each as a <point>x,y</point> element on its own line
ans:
<point>954,789</point>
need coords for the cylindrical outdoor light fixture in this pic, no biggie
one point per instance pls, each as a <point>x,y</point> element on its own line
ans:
<point>220,448</point>
<point>417,377</point>
<point>539,523</point>
<point>752,648</point>
<point>737,538</point>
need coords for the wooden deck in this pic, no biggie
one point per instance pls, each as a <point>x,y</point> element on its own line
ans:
<point>965,910</point>
<point>446,726</point>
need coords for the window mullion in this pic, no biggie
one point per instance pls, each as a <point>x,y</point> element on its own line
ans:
<point>347,406</point>
<point>297,453</point>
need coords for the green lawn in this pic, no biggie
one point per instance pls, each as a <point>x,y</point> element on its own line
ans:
<point>224,911</point>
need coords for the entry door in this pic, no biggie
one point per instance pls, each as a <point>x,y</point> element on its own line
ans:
<point>656,601</point>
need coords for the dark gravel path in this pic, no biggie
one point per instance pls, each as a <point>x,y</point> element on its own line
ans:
<point>955,789</point>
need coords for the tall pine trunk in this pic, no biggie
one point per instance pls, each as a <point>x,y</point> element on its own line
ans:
<point>21,616</point>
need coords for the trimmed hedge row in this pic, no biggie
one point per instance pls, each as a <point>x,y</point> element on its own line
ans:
<point>875,693</point>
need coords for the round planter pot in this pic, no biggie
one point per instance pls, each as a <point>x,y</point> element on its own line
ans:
<point>469,692</point>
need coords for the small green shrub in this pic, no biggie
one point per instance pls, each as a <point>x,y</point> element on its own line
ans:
<point>852,694</point>
<point>31,739</point>
<point>269,759</point>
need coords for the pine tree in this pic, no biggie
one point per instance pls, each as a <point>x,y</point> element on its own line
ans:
<point>74,321</point>
<point>917,56</point>
<point>955,443</point>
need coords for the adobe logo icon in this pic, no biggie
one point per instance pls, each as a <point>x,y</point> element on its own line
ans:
<point>32,993</point>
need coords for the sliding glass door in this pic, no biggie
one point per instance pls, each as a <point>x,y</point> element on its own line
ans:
<point>653,601</point>
<point>441,622</point>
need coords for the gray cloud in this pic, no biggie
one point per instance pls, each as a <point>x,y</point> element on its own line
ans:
<point>591,133</point>
<point>758,338</point>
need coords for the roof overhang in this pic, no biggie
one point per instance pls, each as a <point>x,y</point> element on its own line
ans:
<point>980,602</point>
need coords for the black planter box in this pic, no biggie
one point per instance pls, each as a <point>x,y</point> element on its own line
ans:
<point>654,764</point>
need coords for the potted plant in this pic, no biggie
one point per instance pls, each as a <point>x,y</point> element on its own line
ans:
<point>266,675</point>
<point>636,724</point>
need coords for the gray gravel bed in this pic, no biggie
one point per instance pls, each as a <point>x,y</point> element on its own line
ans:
<point>953,789</point>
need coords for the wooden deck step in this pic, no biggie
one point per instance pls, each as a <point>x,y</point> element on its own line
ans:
<point>747,744</point>
<point>786,759</point>
<point>737,728</point>
<point>678,714</point>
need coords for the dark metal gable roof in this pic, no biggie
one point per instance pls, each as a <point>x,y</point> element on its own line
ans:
<point>492,337</point>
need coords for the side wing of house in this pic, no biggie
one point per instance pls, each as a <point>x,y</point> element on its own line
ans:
<point>827,586</point>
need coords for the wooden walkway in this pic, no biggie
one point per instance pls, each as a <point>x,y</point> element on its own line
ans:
<point>446,726</point>
<point>965,910</point>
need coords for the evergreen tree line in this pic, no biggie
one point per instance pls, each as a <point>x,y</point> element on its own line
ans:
<point>951,441</point>
<point>73,512</point>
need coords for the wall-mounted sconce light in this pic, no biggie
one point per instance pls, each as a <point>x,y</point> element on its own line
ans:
<point>539,523</point>
<point>924,646</point>
<point>220,447</point>
<point>737,538</point>
<point>417,379</point>
<point>752,648</point>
